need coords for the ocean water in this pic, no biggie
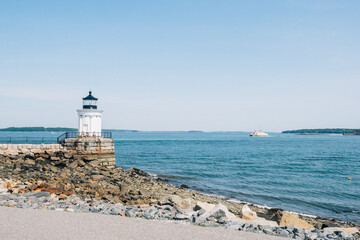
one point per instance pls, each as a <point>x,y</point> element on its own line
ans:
<point>304,174</point>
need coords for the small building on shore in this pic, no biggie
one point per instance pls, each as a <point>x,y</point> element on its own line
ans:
<point>90,117</point>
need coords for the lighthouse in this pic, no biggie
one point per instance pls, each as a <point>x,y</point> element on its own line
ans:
<point>90,117</point>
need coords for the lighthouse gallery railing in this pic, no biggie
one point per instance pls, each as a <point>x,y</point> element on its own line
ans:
<point>66,135</point>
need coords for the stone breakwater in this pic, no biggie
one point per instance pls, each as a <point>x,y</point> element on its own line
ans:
<point>68,181</point>
<point>28,148</point>
<point>97,150</point>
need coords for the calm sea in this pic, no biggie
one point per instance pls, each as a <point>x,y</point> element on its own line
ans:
<point>305,174</point>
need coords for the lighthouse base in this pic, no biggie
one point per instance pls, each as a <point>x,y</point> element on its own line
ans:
<point>97,151</point>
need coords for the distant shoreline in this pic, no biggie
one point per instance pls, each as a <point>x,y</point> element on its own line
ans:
<point>52,129</point>
<point>318,131</point>
<point>37,129</point>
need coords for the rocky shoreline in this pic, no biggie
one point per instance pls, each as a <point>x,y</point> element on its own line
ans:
<point>60,180</point>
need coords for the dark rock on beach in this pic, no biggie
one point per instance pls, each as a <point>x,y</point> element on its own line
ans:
<point>184,186</point>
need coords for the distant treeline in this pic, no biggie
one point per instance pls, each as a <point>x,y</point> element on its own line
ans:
<point>120,130</point>
<point>37,129</point>
<point>325,131</point>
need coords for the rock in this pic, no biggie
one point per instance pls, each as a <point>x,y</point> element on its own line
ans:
<point>184,186</point>
<point>37,194</point>
<point>68,155</point>
<point>289,219</point>
<point>266,229</point>
<point>322,234</point>
<point>54,158</point>
<point>311,236</point>
<point>138,172</point>
<point>150,214</point>
<point>129,213</point>
<point>115,211</point>
<point>3,189</point>
<point>264,222</point>
<point>74,164</point>
<point>180,216</point>
<point>90,158</point>
<point>219,211</point>
<point>63,196</point>
<point>10,184</point>
<point>29,162</point>
<point>80,162</point>
<point>201,212</point>
<point>176,201</point>
<point>352,230</point>
<point>96,177</point>
<point>44,156</point>
<point>283,233</point>
<point>144,192</point>
<point>247,213</point>
<point>33,187</point>
<point>124,189</point>
<point>274,214</point>
<point>203,205</point>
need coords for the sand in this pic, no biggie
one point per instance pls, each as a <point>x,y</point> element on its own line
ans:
<point>30,224</point>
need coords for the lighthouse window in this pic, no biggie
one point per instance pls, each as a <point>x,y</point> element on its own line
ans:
<point>90,102</point>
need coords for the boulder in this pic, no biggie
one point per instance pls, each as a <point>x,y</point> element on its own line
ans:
<point>176,201</point>
<point>247,213</point>
<point>217,212</point>
<point>289,219</point>
<point>203,205</point>
<point>345,230</point>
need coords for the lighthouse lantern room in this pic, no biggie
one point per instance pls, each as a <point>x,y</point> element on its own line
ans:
<point>90,117</point>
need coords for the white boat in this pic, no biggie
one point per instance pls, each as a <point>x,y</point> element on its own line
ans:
<point>259,133</point>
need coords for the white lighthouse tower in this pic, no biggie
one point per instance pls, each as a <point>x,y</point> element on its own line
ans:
<point>90,117</point>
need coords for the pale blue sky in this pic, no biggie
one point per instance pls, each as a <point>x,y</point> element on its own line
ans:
<point>182,65</point>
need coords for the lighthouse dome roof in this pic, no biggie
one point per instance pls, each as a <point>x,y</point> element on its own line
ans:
<point>90,97</point>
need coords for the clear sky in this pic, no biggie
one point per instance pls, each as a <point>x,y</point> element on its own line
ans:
<point>182,65</point>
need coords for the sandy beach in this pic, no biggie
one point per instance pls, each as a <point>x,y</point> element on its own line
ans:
<point>41,224</point>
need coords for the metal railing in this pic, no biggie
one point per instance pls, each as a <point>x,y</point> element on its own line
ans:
<point>27,140</point>
<point>66,135</point>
